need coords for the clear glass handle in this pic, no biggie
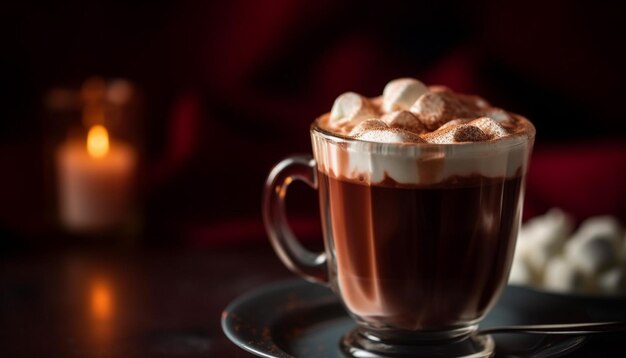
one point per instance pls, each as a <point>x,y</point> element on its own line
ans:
<point>309,265</point>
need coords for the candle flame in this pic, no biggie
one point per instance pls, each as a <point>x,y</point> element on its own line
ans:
<point>97,141</point>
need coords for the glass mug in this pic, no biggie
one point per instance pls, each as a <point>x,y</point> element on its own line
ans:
<point>419,238</point>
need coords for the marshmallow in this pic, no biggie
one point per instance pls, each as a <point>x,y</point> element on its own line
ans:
<point>605,227</point>
<point>613,281</point>
<point>542,237</point>
<point>592,256</point>
<point>596,244</point>
<point>442,136</point>
<point>460,133</point>
<point>440,106</point>
<point>469,133</point>
<point>520,275</point>
<point>404,120</point>
<point>366,125</point>
<point>549,230</point>
<point>392,135</point>
<point>400,94</point>
<point>536,259</point>
<point>588,261</point>
<point>430,108</point>
<point>497,114</point>
<point>350,108</point>
<point>452,123</point>
<point>524,249</point>
<point>480,102</point>
<point>562,276</point>
<point>489,127</point>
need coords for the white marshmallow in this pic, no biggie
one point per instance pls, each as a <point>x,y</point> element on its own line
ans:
<point>561,276</point>
<point>520,275</point>
<point>400,94</point>
<point>596,244</point>
<point>542,237</point>
<point>613,281</point>
<point>350,107</point>
<point>592,256</point>
<point>523,250</point>
<point>604,226</point>
<point>536,259</point>
<point>548,230</point>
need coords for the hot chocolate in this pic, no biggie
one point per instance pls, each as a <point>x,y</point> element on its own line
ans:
<point>422,239</point>
<point>422,257</point>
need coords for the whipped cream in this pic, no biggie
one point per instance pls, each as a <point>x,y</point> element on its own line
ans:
<point>416,134</point>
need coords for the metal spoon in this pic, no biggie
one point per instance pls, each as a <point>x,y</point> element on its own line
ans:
<point>562,329</point>
<point>558,339</point>
<point>547,346</point>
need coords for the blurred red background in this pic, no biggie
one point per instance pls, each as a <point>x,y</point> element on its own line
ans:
<point>231,87</point>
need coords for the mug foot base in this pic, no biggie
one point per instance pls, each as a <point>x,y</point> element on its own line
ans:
<point>358,343</point>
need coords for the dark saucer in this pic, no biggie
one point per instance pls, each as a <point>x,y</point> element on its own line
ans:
<point>299,319</point>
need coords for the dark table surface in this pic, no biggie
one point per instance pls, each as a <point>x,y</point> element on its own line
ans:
<point>98,304</point>
<point>157,302</point>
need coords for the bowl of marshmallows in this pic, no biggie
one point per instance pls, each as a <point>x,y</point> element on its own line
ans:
<point>554,255</point>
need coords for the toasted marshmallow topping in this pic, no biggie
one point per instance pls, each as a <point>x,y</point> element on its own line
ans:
<point>393,135</point>
<point>490,127</point>
<point>431,109</point>
<point>404,120</point>
<point>460,131</point>
<point>409,105</point>
<point>496,143</point>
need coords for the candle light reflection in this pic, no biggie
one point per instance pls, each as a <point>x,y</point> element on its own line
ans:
<point>101,300</point>
<point>101,309</point>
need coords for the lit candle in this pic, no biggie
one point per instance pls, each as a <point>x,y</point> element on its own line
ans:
<point>95,181</point>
